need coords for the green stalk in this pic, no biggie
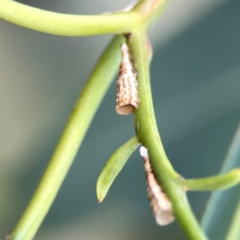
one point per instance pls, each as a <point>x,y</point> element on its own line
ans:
<point>70,141</point>
<point>144,14</point>
<point>66,24</point>
<point>219,182</point>
<point>148,135</point>
<point>150,11</point>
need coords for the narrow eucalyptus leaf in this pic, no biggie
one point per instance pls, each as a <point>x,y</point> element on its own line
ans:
<point>113,166</point>
<point>234,231</point>
<point>221,205</point>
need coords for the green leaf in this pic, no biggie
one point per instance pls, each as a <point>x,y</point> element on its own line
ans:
<point>234,231</point>
<point>113,166</point>
<point>221,205</point>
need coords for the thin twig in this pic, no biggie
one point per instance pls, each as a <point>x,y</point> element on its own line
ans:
<point>70,141</point>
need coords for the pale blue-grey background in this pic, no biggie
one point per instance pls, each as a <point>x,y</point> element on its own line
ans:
<point>195,81</point>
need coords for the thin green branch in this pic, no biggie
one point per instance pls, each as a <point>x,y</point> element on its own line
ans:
<point>219,182</point>
<point>113,166</point>
<point>73,134</point>
<point>144,14</point>
<point>150,11</point>
<point>148,135</point>
<point>66,24</point>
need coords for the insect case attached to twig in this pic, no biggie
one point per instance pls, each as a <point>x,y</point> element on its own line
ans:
<point>127,85</point>
<point>161,206</point>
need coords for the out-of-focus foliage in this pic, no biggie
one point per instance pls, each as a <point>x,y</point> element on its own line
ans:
<point>195,79</point>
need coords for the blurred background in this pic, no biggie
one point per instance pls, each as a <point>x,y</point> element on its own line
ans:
<point>195,80</point>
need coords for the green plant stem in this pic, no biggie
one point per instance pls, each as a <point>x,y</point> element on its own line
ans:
<point>143,15</point>
<point>234,231</point>
<point>73,134</point>
<point>148,135</point>
<point>150,11</point>
<point>66,24</point>
<point>213,183</point>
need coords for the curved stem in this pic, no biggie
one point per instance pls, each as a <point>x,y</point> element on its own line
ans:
<point>150,10</point>
<point>66,24</point>
<point>73,134</point>
<point>144,14</point>
<point>148,135</point>
<point>219,182</point>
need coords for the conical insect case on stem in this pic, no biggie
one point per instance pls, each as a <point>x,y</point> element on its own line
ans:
<point>161,206</point>
<point>127,86</point>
